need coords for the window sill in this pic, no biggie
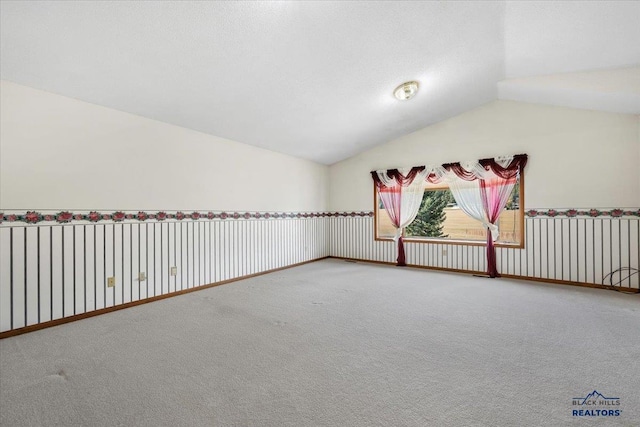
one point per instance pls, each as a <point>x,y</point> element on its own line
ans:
<point>514,245</point>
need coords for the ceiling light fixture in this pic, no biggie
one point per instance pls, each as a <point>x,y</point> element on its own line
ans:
<point>406,91</point>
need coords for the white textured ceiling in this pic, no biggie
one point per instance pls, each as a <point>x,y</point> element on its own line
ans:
<point>310,79</point>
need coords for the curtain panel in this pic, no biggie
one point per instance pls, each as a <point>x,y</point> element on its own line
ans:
<point>401,194</point>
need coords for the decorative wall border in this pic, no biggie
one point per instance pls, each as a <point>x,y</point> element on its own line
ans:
<point>66,217</point>
<point>572,213</point>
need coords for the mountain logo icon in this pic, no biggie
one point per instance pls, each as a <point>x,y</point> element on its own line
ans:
<point>594,395</point>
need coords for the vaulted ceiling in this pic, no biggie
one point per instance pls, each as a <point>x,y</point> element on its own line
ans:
<point>310,79</point>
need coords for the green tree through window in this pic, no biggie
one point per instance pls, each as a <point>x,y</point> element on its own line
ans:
<point>431,216</point>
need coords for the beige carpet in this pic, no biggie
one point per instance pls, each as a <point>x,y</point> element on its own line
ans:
<point>335,344</point>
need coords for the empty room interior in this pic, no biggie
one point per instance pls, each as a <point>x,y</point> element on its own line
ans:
<point>301,213</point>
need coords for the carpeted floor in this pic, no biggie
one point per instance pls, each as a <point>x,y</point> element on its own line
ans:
<point>334,343</point>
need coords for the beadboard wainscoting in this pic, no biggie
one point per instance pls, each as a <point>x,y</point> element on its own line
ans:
<point>559,247</point>
<point>57,265</point>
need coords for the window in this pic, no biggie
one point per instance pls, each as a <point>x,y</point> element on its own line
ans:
<point>441,220</point>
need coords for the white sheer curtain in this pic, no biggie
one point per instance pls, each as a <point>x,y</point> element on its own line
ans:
<point>468,197</point>
<point>401,195</point>
<point>410,200</point>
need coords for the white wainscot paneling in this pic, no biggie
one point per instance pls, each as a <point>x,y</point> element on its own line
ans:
<point>49,271</point>
<point>578,249</point>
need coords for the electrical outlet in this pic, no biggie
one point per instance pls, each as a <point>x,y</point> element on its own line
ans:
<point>142,276</point>
<point>174,271</point>
<point>111,282</point>
<point>444,251</point>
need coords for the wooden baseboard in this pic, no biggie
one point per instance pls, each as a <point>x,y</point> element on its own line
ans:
<point>106,310</point>
<point>624,289</point>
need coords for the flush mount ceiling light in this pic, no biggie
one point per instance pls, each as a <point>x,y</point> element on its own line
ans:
<point>406,91</point>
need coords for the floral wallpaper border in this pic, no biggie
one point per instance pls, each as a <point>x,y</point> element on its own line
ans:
<point>64,217</point>
<point>593,213</point>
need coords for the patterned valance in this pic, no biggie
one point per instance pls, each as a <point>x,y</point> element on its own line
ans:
<point>505,167</point>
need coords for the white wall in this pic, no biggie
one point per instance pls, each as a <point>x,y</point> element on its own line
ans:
<point>60,153</point>
<point>577,158</point>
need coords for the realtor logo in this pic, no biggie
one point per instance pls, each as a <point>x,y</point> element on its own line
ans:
<point>595,404</point>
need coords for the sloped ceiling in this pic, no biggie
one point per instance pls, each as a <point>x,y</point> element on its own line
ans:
<point>310,79</point>
<point>549,45</point>
<point>616,90</point>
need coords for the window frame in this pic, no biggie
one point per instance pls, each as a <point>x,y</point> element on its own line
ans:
<point>445,241</point>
